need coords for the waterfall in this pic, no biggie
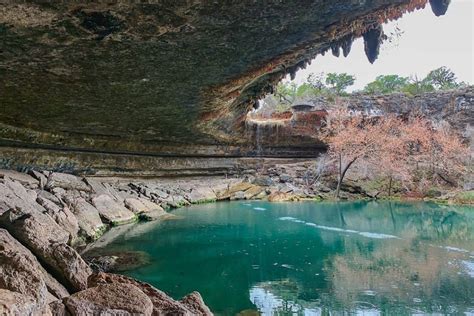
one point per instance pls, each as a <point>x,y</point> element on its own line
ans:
<point>258,140</point>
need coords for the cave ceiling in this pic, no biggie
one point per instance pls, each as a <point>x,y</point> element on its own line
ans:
<point>140,76</point>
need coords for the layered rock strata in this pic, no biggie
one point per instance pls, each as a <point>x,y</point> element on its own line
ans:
<point>163,77</point>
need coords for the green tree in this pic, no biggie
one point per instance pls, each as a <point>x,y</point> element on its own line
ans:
<point>416,86</point>
<point>384,84</point>
<point>442,78</point>
<point>338,83</point>
<point>316,81</point>
<point>286,92</point>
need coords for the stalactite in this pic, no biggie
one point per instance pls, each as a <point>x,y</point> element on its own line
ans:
<point>347,44</point>
<point>439,7</point>
<point>292,74</point>
<point>335,49</point>
<point>372,40</point>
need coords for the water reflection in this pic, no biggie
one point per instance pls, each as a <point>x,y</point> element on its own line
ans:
<point>313,258</point>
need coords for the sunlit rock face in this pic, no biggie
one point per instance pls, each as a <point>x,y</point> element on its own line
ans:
<point>170,77</point>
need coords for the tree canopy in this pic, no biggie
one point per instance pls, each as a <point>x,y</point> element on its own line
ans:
<point>337,84</point>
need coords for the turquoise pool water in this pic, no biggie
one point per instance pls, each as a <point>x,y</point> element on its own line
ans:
<point>312,258</point>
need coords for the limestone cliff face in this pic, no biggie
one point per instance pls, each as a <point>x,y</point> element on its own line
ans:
<point>300,127</point>
<point>162,77</point>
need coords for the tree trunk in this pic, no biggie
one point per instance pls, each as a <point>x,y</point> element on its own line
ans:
<point>339,179</point>
<point>390,187</point>
<point>342,173</point>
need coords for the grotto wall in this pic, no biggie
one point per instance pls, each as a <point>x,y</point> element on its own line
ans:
<point>162,77</point>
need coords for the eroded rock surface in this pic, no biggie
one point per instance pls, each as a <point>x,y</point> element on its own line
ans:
<point>21,272</point>
<point>191,304</point>
<point>110,299</point>
<point>14,303</point>
<point>48,241</point>
<point>112,211</point>
<point>178,76</point>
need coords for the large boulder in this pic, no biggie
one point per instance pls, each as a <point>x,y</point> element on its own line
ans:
<point>253,192</point>
<point>111,211</point>
<point>14,303</point>
<point>23,178</point>
<point>144,208</point>
<point>62,216</point>
<point>263,181</point>
<point>201,195</point>
<point>241,191</point>
<point>21,272</point>
<point>48,241</point>
<point>14,194</point>
<point>66,182</point>
<point>191,304</point>
<point>233,189</point>
<point>110,299</point>
<point>282,197</point>
<point>88,218</point>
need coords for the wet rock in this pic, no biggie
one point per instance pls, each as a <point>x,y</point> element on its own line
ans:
<point>111,211</point>
<point>162,303</point>
<point>110,299</point>
<point>14,303</point>
<point>117,261</point>
<point>48,241</point>
<point>141,206</point>
<point>176,201</point>
<point>88,218</point>
<point>157,215</point>
<point>201,195</point>
<point>67,182</point>
<point>21,272</point>
<point>20,177</point>
<point>103,263</point>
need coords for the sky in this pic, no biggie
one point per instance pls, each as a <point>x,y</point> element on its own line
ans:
<point>427,42</point>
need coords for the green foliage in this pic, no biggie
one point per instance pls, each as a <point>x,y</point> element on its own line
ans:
<point>415,86</point>
<point>386,84</point>
<point>338,83</point>
<point>319,84</point>
<point>442,78</point>
<point>332,85</point>
<point>286,92</point>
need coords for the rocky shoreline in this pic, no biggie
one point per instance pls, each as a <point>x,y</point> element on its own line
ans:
<point>46,218</point>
